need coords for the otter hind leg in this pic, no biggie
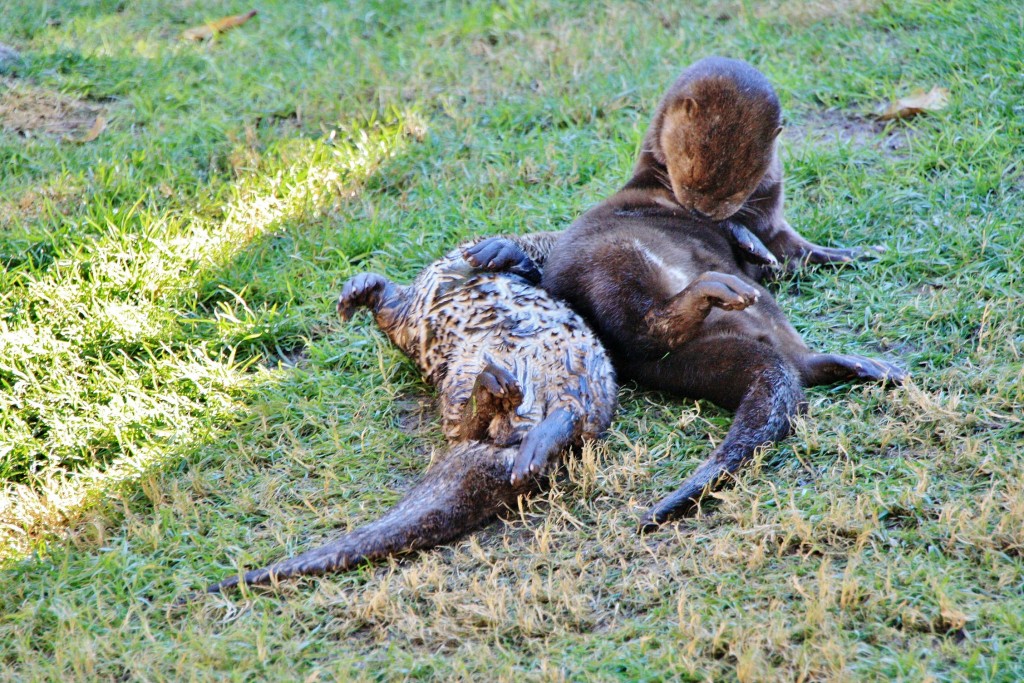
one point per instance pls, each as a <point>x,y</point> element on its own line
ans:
<point>543,442</point>
<point>831,368</point>
<point>679,320</point>
<point>495,392</point>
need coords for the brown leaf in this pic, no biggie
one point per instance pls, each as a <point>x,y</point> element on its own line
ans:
<point>27,200</point>
<point>207,31</point>
<point>94,132</point>
<point>916,103</point>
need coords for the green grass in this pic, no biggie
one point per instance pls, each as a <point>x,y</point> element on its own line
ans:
<point>177,399</point>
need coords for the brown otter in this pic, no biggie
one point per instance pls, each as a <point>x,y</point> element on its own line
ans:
<point>521,379</point>
<point>712,145</point>
<point>666,270</point>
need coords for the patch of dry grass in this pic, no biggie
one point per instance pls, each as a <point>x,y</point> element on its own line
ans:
<point>27,110</point>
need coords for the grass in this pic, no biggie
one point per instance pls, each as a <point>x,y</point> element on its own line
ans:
<point>177,399</point>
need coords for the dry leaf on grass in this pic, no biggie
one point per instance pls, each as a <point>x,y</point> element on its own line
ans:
<point>916,103</point>
<point>94,132</point>
<point>207,31</point>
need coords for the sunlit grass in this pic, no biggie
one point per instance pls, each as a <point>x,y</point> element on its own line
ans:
<point>130,311</point>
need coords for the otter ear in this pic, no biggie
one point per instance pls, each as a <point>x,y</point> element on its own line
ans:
<point>687,107</point>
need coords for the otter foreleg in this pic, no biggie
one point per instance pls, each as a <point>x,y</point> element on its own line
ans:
<point>678,321</point>
<point>500,254</point>
<point>751,246</point>
<point>365,289</point>
<point>796,250</point>
<point>763,215</point>
<point>495,391</point>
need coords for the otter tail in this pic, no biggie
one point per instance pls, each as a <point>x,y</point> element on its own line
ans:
<point>470,484</point>
<point>772,397</point>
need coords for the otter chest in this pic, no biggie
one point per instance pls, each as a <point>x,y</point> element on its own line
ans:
<point>489,313</point>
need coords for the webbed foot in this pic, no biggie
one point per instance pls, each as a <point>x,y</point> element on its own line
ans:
<point>542,443</point>
<point>830,368</point>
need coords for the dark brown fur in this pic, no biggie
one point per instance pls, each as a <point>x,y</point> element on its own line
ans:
<point>521,379</point>
<point>712,144</point>
<point>679,311</point>
<point>674,296</point>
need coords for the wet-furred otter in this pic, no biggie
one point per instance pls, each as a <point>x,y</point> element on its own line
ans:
<point>521,378</point>
<point>712,145</point>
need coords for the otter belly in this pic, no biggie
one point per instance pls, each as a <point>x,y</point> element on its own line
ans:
<point>673,277</point>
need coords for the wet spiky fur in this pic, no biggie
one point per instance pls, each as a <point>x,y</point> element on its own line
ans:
<point>521,379</point>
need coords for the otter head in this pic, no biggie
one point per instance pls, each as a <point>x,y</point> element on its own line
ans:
<point>717,140</point>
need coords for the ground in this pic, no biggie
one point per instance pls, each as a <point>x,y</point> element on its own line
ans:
<point>178,401</point>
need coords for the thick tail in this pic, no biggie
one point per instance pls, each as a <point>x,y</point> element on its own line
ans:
<point>762,417</point>
<point>467,486</point>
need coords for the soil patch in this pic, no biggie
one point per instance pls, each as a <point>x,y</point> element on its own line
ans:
<point>33,203</point>
<point>417,414</point>
<point>835,126</point>
<point>30,111</point>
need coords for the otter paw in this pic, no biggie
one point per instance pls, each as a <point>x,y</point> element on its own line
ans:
<point>752,248</point>
<point>531,461</point>
<point>797,255</point>
<point>831,368</point>
<point>874,370</point>
<point>727,292</point>
<point>543,444</point>
<point>361,290</point>
<point>501,255</point>
<point>500,383</point>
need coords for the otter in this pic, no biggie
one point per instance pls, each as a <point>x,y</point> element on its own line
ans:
<point>667,271</point>
<point>679,312</point>
<point>521,380</point>
<point>712,145</point>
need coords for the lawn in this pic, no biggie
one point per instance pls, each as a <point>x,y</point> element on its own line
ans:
<point>178,400</point>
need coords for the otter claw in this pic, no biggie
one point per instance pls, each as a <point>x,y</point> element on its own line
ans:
<point>361,290</point>
<point>500,254</point>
